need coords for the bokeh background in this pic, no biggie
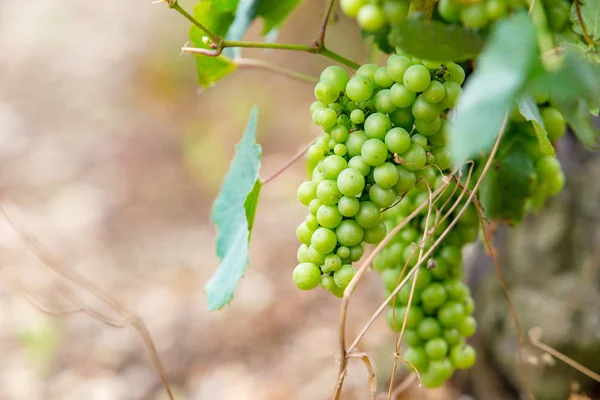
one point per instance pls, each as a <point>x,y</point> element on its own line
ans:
<point>111,155</point>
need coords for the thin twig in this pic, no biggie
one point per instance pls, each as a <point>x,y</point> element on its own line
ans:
<point>372,377</point>
<point>254,63</point>
<point>584,30</point>
<point>288,163</point>
<point>407,382</point>
<point>324,22</point>
<point>175,6</point>
<point>44,256</point>
<point>535,336</point>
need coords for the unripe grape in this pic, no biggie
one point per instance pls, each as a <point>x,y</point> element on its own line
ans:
<point>453,92</point>
<point>376,234</point>
<point>386,175</point>
<point>327,118</point>
<point>474,16</point>
<point>307,191</point>
<point>328,284</point>
<point>441,369</point>
<point>449,11</point>
<point>344,275</point>
<point>429,328</point>
<point>356,252</point>
<point>457,73</point>
<point>326,93</point>
<point>463,356</point>
<point>383,101</point>
<point>355,142</point>
<point>302,253</point>
<point>451,314</point>
<point>429,128</point>
<point>368,215</point>
<point>495,9</point>
<point>328,192</point>
<point>350,182</point>
<point>332,263</point>
<point>357,116</point>
<point>336,77</point>
<point>314,205</point>
<point>436,348</point>
<point>377,125</point>
<point>396,11</point>
<point>332,166</point>
<point>352,7</point>
<point>415,316</point>
<point>368,71</point>
<point>413,159</point>
<point>348,206</point>
<point>424,110</point>
<point>401,96</point>
<point>311,221</point>
<point>343,252</point>
<point>371,18</point>
<point>339,133</point>
<point>349,233</point>
<point>406,180</point>
<point>468,326</point>
<point>417,357</point>
<point>416,78</point>
<point>554,122</point>
<point>340,149</point>
<point>382,197</point>
<point>382,79</point>
<point>403,118</point>
<point>306,276</point>
<point>304,233</point>
<point>374,152</point>
<point>397,66</point>
<point>329,216</point>
<point>359,89</point>
<point>434,295</point>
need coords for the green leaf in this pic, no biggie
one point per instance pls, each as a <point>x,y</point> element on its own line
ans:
<point>380,38</point>
<point>509,182</point>
<point>434,40</point>
<point>233,213</point>
<point>217,16</point>
<point>244,15</point>
<point>502,70</point>
<point>577,113</point>
<point>590,12</point>
<point>275,12</point>
<point>529,109</point>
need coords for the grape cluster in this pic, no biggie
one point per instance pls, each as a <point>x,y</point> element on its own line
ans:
<point>373,16</point>
<point>440,315</point>
<point>476,14</point>
<point>383,135</point>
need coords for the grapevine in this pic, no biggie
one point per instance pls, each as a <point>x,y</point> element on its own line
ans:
<point>404,158</point>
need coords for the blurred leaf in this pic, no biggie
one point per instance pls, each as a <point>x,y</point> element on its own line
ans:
<point>233,213</point>
<point>577,113</point>
<point>529,109</point>
<point>502,70</point>
<point>434,40</point>
<point>381,38</point>
<point>590,12</point>
<point>216,16</point>
<point>275,12</point>
<point>509,182</point>
<point>244,15</point>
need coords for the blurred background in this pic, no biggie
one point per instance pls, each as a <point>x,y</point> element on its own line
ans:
<point>111,155</point>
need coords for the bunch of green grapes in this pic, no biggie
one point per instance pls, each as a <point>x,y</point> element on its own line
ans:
<point>373,15</point>
<point>383,134</point>
<point>440,315</point>
<point>477,14</point>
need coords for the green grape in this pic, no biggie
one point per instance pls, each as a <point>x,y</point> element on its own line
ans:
<point>547,168</point>
<point>332,166</point>
<point>368,71</point>
<point>314,205</point>
<point>469,305</point>
<point>429,328</point>
<point>468,326</point>
<point>386,175</point>
<point>343,252</point>
<point>406,180</point>
<point>426,177</point>
<point>356,252</point>
<point>397,140</point>
<point>317,105</point>
<point>401,96</point>
<point>340,149</point>
<point>434,295</point>
<point>306,276</point>
<point>348,206</point>
<point>462,356</point>
<point>390,278</point>
<point>452,254</point>
<point>382,197</point>
<point>442,157</point>
<point>404,294</point>
<point>304,233</point>
<point>453,92</point>
<point>430,380</point>
<point>382,79</point>
<point>323,240</point>
<point>403,118</point>
<point>432,65</point>
<point>554,122</point>
<point>360,165</point>
<point>332,263</point>
<point>415,316</point>
<point>327,191</point>
<point>374,152</point>
<point>411,338</point>
<point>351,106</point>
<point>449,10</point>
<point>457,73</point>
<point>495,9</point>
<point>344,120</point>
<point>435,92</point>
<point>344,275</point>
<point>352,7</point>
<point>396,11</point>
<point>451,314</point>
<point>302,253</point>
<point>329,216</point>
<point>336,77</point>
<point>375,235</point>
<point>423,279</point>
<point>355,142</point>
<point>555,185</point>
<point>337,107</point>
<point>429,128</point>
<point>397,66</point>
<point>474,16</point>
<point>371,18</point>
<point>349,233</point>
<point>368,215</point>
<point>442,369</point>
<point>326,93</point>
<point>357,116</point>
<point>416,78</point>
<point>339,133</point>
<point>416,357</point>
<point>307,191</point>
<point>377,125</point>
<point>457,290</point>
<point>350,182</point>
<point>413,159</point>
<point>424,110</point>
<point>383,101</point>
<point>395,253</point>
<point>311,221</point>
<point>452,336</point>
<point>420,140</point>
<point>327,118</point>
<point>436,348</point>
<point>328,284</point>
<point>359,89</point>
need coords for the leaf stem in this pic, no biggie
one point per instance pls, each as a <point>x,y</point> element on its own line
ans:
<point>323,27</point>
<point>336,57</point>
<point>288,164</point>
<point>264,45</point>
<point>586,35</point>
<point>175,6</point>
<point>254,63</point>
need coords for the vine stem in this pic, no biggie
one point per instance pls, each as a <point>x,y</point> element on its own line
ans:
<point>324,23</point>
<point>175,6</point>
<point>254,63</point>
<point>288,164</point>
<point>584,30</point>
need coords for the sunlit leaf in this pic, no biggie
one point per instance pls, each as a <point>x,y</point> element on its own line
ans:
<point>590,12</point>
